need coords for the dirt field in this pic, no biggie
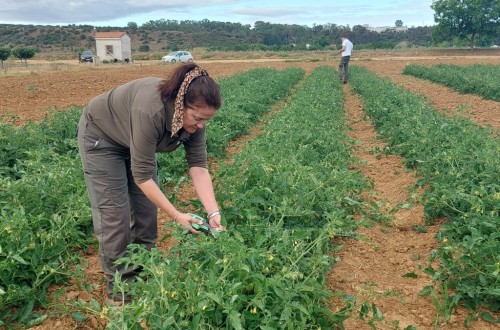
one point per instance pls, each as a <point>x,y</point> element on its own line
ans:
<point>28,93</point>
<point>366,269</point>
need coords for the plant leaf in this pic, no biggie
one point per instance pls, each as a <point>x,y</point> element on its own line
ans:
<point>410,275</point>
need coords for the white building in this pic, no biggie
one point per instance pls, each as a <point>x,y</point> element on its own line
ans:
<point>113,46</point>
<point>379,29</point>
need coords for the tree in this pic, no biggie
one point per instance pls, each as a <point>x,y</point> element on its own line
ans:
<point>399,23</point>
<point>144,48</point>
<point>466,19</point>
<point>320,42</point>
<point>4,54</point>
<point>132,26</point>
<point>361,35</point>
<point>24,54</point>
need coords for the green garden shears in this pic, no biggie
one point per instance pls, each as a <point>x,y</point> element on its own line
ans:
<point>204,227</point>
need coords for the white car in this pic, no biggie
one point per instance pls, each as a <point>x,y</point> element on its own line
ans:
<point>178,56</point>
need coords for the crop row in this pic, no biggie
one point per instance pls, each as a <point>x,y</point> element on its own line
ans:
<point>44,210</point>
<point>246,97</point>
<point>459,164</point>
<point>285,196</point>
<point>478,79</point>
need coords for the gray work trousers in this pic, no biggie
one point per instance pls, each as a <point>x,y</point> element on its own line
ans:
<point>121,213</point>
<point>344,68</point>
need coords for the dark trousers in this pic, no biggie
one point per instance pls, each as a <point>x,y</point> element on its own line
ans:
<point>121,213</point>
<point>344,68</point>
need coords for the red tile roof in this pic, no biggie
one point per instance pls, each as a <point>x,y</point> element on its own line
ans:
<point>110,35</point>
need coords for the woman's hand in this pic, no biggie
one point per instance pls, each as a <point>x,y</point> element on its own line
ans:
<point>214,223</point>
<point>185,220</point>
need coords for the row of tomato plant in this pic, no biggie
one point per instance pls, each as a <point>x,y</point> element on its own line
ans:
<point>45,218</point>
<point>246,97</point>
<point>43,211</point>
<point>478,79</point>
<point>458,163</point>
<point>285,196</point>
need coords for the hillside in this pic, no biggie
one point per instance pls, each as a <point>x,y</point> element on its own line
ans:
<point>72,39</point>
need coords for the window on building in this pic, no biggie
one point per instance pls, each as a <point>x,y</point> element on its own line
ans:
<point>109,49</point>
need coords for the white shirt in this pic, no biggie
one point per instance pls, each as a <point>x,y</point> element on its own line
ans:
<point>348,47</point>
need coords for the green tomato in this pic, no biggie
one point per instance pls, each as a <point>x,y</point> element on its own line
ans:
<point>249,288</point>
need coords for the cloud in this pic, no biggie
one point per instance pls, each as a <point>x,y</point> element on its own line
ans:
<point>120,12</point>
<point>74,11</point>
<point>269,11</point>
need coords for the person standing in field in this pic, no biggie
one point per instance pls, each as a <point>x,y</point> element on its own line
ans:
<point>346,52</point>
<point>119,134</point>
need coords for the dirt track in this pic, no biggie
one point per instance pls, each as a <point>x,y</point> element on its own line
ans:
<point>367,269</point>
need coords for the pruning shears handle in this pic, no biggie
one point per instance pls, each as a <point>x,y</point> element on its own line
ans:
<point>204,227</point>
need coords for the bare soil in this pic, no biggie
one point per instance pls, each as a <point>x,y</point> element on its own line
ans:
<point>371,269</point>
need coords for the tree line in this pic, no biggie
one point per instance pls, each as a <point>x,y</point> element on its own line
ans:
<point>20,53</point>
<point>170,34</point>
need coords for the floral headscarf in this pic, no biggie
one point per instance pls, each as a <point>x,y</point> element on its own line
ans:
<point>179,100</point>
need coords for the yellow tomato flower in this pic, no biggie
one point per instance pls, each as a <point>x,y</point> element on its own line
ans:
<point>254,310</point>
<point>104,312</point>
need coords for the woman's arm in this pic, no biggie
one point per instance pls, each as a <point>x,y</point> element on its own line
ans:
<point>153,192</point>
<point>202,183</point>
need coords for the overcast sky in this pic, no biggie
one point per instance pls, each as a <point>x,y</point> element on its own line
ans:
<point>305,12</point>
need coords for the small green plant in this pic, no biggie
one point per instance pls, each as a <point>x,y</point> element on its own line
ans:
<point>443,302</point>
<point>32,88</point>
